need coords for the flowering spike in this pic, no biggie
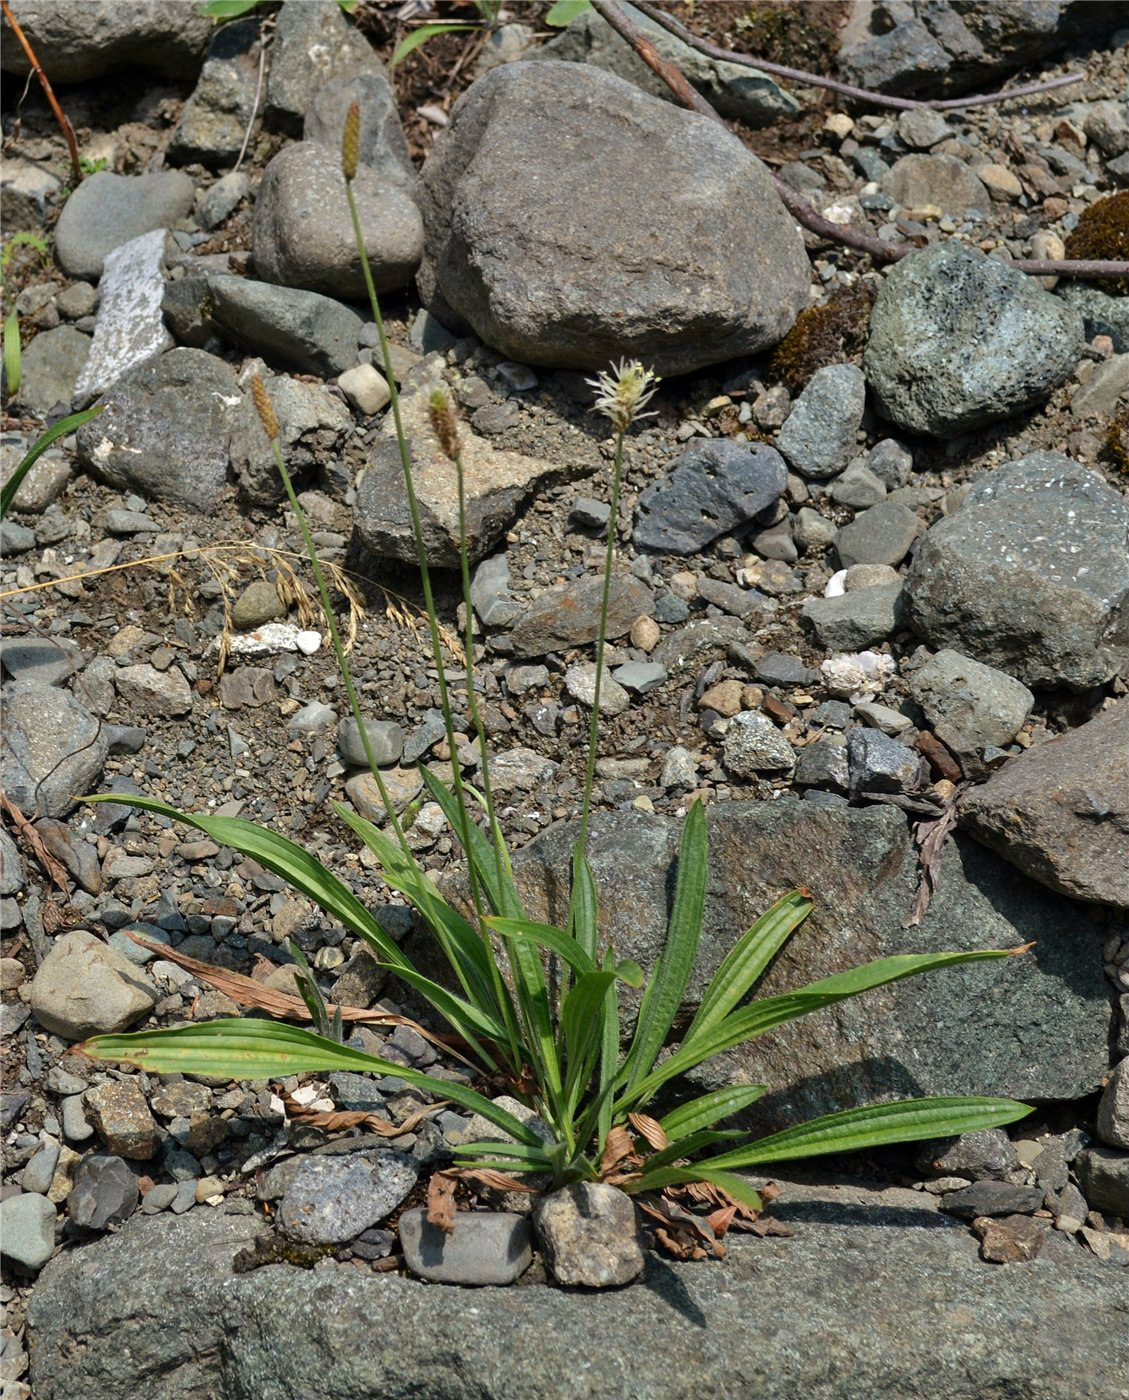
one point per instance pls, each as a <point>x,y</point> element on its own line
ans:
<point>351,141</point>
<point>444,423</point>
<point>265,407</point>
<point>623,392</point>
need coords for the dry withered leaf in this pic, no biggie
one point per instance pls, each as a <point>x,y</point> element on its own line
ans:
<point>248,992</point>
<point>34,842</point>
<point>441,1201</point>
<point>618,1148</point>
<point>336,1120</point>
<point>930,837</point>
<point>682,1234</point>
<point>649,1129</point>
<point>490,1176</point>
<point>767,1226</point>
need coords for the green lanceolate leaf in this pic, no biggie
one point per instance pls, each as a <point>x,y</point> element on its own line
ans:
<point>297,867</point>
<point>532,1159</point>
<point>252,1049</point>
<point>562,12</point>
<point>750,1021</point>
<point>228,9</point>
<point>583,910</point>
<point>546,936</point>
<point>709,1109</point>
<point>60,429</point>
<point>689,1145</point>
<point>12,352</point>
<point>664,992</point>
<point>421,35</point>
<point>581,1025</point>
<point>503,896</point>
<point>877,1125</point>
<point>746,963</point>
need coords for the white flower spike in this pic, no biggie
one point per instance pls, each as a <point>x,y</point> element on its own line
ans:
<point>623,392</point>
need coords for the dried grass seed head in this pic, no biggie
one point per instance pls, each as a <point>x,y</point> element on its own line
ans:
<point>623,392</point>
<point>264,407</point>
<point>444,422</point>
<point>351,141</point>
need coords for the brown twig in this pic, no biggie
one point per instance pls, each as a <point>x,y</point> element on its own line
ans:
<point>37,69</point>
<point>800,75</point>
<point>798,207</point>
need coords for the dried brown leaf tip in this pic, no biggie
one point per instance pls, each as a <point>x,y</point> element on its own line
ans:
<point>444,423</point>
<point>265,408</point>
<point>351,141</point>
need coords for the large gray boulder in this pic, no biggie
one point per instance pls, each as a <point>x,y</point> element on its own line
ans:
<point>77,42</point>
<point>875,1294</point>
<point>959,340</point>
<point>1033,1026</point>
<point>52,748</point>
<point>1060,812</point>
<point>572,220</point>
<point>1030,575</point>
<point>734,90</point>
<point>108,210</point>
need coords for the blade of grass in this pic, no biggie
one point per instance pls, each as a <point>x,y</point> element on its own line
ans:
<point>41,444</point>
<point>703,1112</point>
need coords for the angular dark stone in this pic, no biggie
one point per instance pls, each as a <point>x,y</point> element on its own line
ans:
<point>716,487</point>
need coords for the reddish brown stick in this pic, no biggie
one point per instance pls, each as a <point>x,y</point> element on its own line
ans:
<point>800,209</point>
<point>37,69</point>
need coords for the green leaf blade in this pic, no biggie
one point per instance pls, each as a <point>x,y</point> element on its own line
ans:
<point>710,1108</point>
<point>41,444</point>
<point>419,36</point>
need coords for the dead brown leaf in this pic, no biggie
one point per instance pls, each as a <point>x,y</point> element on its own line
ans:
<point>248,992</point>
<point>34,841</point>
<point>337,1120</point>
<point>618,1148</point>
<point>650,1130</point>
<point>930,838</point>
<point>496,1180</point>
<point>441,1201</point>
<point>682,1234</point>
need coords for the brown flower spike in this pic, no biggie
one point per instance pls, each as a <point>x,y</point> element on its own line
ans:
<point>444,423</point>
<point>265,407</point>
<point>351,141</point>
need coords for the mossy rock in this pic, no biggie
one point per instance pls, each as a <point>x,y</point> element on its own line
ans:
<point>823,335</point>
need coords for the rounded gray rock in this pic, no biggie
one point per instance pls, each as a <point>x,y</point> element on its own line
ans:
<point>818,436</point>
<point>945,182</point>
<point>52,365</point>
<point>303,235</point>
<point>959,340</point>
<point>1030,575</point>
<point>382,147</point>
<point>485,1247</point>
<point>589,1235</point>
<point>985,705</point>
<point>332,1199</point>
<point>27,1223</point>
<point>52,749</point>
<point>559,243</point>
<point>385,736</point>
<point>107,210</point>
<point>165,429</point>
<point>753,744</point>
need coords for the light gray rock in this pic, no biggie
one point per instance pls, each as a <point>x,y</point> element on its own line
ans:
<point>1103,391</point>
<point>934,310</point>
<point>858,486</point>
<point>580,682</point>
<point>51,749</point>
<point>213,122</point>
<point>108,210</point>
<point>51,366</point>
<point>856,619</point>
<point>883,534</point>
<point>791,1311</point>
<point>74,43</point>
<point>302,234</point>
<point>640,676</point>
<point>147,691</point>
<point>304,330</point>
<point>944,182</point>
<point>221,199</point>
<point>987,706</point>
<point>313,45</point>
<point>490,593</point>
<point>383,147</point>
<point>1027,1027</point>
<point>11,866</point>
<point>715,487</point>
<point>27,1226</point>
<point>1060,812</point>
<point>130,328</point>
<point>48,660</point>
<point>1101,313</point>
<point>753,745</point>
<point>44,483</point>
<point>812,530</point>
<point>818,436</point>
<point>1107,125</point>
<point>105,1192</point>
<point>525,235</point>
<point>589,1235</point>
<point>1103,1174</point>
<point>331,1199</point>
<point>312,425</point>
<point>385,736</point>
<point>922,127</point>
<point>486,1247</point>
<point>890,460</point>
<point>165,429</point>
<point>497,484</point>
<point>1030,575</point>
<point>731,89</point>
<point>1113,1108</point>
<point>85,988</point>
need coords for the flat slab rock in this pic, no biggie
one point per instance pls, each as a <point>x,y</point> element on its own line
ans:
<point>875,1295</point>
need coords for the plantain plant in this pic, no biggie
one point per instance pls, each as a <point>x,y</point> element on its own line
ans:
<point>557,1044</point>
